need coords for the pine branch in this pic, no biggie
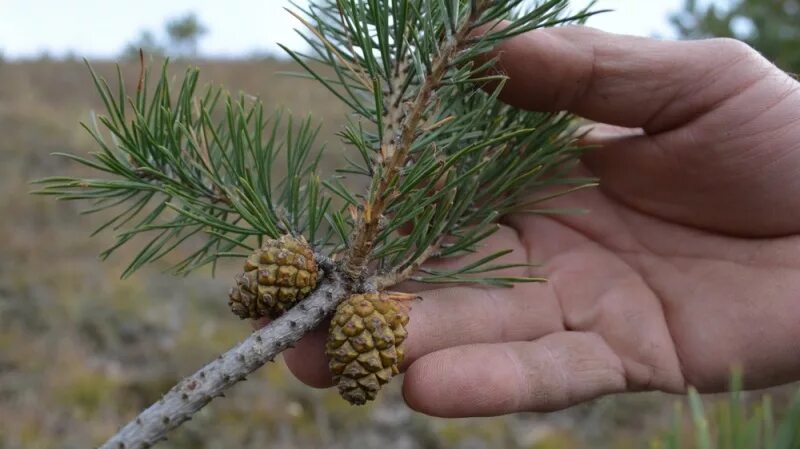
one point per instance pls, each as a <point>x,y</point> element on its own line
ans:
<point>177,171</point>
<point>394,153</point>
<point>196,391</point>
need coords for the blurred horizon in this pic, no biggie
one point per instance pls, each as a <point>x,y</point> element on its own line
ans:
<point>236,29</point>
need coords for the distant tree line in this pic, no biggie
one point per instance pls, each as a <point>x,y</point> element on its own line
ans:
<point>770,26</point>
<point>183,38</point>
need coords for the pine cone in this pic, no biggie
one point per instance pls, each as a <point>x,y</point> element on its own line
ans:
<point>275,278</point>
<point>365,343</point>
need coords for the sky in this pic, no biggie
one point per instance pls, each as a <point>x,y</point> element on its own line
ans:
<point>101,28</point>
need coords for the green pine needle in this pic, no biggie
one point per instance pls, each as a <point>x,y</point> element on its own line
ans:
<point>196,168</point>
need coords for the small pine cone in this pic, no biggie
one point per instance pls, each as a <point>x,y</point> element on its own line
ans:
<point>275,278</point>
<point>365,343</point>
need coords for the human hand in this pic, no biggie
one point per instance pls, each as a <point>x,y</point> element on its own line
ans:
<point>687,265</point>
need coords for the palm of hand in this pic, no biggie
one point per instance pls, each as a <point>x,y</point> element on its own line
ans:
<point>655,289</point>
<point>633,302</point>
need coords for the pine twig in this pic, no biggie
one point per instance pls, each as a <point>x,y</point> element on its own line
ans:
<point>397,151</point>
<point>387,280</point>
<point>192,393</point>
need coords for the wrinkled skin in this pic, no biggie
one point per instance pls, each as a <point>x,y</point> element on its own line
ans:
<point>688,264</point>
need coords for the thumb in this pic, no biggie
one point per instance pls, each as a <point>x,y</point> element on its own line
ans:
<point>630,163</point>
<point>624,80</point>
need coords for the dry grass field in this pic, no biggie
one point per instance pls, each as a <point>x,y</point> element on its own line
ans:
<point>82,351</point>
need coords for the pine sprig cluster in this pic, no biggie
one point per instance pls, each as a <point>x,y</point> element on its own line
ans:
<point>412,73</point>
<point>195,162</point>
<point>441,154</point>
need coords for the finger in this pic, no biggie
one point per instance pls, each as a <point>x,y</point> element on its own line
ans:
<point>447,318</point>
<point>650,173</point>
<point>259,323</point>
<point>688,176</point>
<point>506,238</point>
<point>459,316</point>
<point>455,315</point>
<point>601,134</point>
<point>624,80</point>
<point>634,165</point>
<point>551,373</point>
<point>463,314</point>
<point>307,360</point>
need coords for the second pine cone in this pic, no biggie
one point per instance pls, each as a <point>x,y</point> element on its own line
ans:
<point>365,344</point>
